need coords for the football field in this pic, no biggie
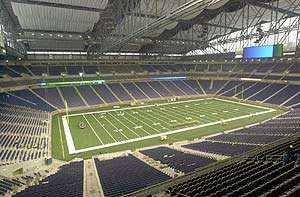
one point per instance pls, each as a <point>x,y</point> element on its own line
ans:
<point>108,128</point>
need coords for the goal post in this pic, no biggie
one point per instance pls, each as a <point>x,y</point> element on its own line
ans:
<point>242,97</point>
<point>67,110</point>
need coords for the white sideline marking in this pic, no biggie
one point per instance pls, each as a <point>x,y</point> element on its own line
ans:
<point>72,149</point>
<point>61,140</point>
<point>69,139</point>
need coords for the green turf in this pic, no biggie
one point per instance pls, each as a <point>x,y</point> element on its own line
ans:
<point>119,126</point>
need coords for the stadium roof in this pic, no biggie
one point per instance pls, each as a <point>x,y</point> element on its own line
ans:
<point>145,26</point>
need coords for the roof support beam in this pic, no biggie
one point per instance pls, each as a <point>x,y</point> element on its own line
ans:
<point>52,32</point>
<point>270,7</point>
<point>144,15</point>
<point>7,14</point>
<point>177,13</point>
<point>221,26</point>
<point>23,38</point>
<point>58,5</point>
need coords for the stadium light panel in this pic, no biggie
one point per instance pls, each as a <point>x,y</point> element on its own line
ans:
<point>250,79</point>
<point>64,83</point>
<point>168,78</point>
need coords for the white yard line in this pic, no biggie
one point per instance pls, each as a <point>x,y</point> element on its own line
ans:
<point>144,122</point>
<point>104,128</point>
<point>188,113</point>
<point>172,103</point>
<point>116,128</point>
<point>72,149</point>
<point>92,129</point>
<point>144,106</point>
<point>196,115</point>
<point>168,114</point>
<point>124,125</point>
<point>159,118</point>
<point>136,125</point>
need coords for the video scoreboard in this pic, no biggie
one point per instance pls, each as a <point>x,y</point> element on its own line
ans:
<point>267,51</point>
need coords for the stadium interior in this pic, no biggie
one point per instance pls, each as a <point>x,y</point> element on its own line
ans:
<point>149,98</point>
